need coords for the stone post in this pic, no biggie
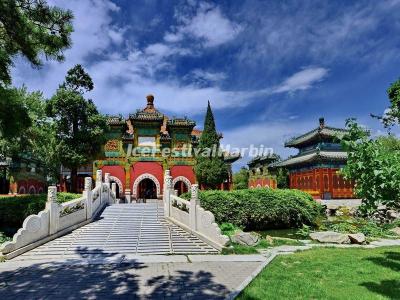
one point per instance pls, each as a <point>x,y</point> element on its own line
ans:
<point>87,193</point>
<point>128,195</point>
<point>107,179</point>
<point>193,203</point>
<point>107,182</point>
<point>167,192</point>
<point>176,192</point>
<point>114,190</point>
<point>99,177</point>
<point>54,209</point>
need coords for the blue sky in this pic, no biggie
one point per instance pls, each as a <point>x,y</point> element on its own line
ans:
<point>269,68</point>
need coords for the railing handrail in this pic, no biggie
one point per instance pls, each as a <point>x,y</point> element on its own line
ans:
<point>195,219</point>
<point>51,222</point>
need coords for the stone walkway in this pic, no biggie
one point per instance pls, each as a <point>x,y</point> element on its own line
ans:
<point>130,277</point>
<point>135,228</point>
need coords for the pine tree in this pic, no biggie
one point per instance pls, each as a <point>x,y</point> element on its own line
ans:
<point>210,168</point>
<point>80,128</point>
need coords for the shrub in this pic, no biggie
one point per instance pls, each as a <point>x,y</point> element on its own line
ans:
<point>260,209</point>
<point>14,209</point>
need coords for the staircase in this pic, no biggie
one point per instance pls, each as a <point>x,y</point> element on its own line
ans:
<point>135,228</point>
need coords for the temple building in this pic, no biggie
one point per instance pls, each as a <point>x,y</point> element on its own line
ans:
<point>22,175</point>
<point>140,148</point>
<point>315,168</point>
<point>259,174</point>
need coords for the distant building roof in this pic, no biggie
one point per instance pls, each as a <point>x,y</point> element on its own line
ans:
<point>316,156</point>
<point>115,120</point>
<point>263,159</point>
<point>316,134</point>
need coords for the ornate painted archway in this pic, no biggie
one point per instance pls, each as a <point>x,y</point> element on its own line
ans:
<point>145,176</point>
<point>119,183</point>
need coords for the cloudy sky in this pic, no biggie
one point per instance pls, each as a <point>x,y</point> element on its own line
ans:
<point>269,68</point>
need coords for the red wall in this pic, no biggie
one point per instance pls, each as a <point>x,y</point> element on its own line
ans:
<point>262,182</point>
<point>186,171</point>
<point>152,168</point>
<point>31,182</point>
<point>116,171</point>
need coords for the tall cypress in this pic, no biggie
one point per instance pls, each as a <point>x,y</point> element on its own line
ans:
<point>210,168</point>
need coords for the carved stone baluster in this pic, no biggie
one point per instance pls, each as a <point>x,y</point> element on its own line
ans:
<point>167,193</point>
<point>88,194</point>
<point>99,177</point>
<point>54,209</point>
<point>193,206</point>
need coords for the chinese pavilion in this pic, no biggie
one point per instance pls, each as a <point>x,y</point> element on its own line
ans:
<point>139,149</point>
<point>315,168</point>
<point>259,175</point>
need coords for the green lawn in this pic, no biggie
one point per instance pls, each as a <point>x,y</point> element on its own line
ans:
<point>330,273</point>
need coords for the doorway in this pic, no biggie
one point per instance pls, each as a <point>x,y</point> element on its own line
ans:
<point>147,189</point>
<point>181,187</point>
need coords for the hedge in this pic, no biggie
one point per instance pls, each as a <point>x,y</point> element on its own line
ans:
<point>261,209</point>
<point>14,209</point>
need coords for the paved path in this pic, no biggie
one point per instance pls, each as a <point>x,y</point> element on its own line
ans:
<point>140,277</point>
<point>123,229</point>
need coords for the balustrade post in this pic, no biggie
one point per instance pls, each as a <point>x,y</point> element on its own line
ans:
<point>194,199</point>
<point>107,179</point>
<point>114,188</point>
<point>167,192</point>
<point>88,194</point>
<point>107,183</point>
<point>54,209</point>
<point>99,177</point>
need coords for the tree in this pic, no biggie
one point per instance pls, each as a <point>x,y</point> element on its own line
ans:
<point>392,114</point>
<point>241,179</point>
<point>14,115</point>
<point>210,168</point>
<point>79,127</point>
<point>282,178</point>
<point>32,29</point>
<point>374,166</point>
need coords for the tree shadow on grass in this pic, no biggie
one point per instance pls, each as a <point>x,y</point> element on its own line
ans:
<point>388,288</point>
<point>390,260</point>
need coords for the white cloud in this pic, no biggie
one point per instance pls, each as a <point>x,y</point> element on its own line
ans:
<point>202,75</point>
<point>208,25</point>
<point>302,80</point>
<point>122,79</point>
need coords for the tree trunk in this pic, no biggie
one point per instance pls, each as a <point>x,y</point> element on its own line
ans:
<point>74,175</point>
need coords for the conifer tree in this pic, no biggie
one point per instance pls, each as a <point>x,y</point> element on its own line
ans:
<point>210,168</point>
<point>80,128</point>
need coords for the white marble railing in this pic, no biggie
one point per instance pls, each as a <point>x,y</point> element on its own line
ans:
<point>190,216</point>
<point>58,219</point>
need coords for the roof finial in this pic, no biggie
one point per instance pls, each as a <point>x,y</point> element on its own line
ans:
<point>321,122</point>
<point>150,100</point>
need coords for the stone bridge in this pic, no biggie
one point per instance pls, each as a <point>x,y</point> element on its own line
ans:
<point>97,224</point>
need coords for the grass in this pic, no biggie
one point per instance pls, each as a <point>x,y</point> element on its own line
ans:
<point>330,273</point>
<point>4,238</point>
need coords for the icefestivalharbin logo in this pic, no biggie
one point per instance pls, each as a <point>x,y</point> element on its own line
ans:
<point>189,151</point>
